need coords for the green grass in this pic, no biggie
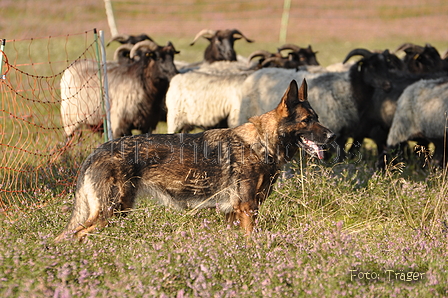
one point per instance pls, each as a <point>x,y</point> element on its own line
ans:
<point>319,229</point>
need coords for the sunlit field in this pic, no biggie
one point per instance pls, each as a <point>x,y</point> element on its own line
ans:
<point>329,229</point>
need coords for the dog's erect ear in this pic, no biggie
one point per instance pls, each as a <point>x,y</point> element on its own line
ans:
<point>303,91</point>
<point>292,97</point>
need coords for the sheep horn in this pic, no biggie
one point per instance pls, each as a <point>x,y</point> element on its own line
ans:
<point>236,31</point>
<point>122,48</point>
<point>277,62</point>
<point>148,43</point>
<point>289,46</point>
<point>260,53</point>
<point>362,52</point>
<point>121,38</point>
<point>202,33</point>
<point>406,46</point>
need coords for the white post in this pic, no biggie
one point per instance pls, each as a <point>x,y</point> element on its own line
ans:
<point>111,18</point>
<point>108,128</point>
<point>285,19</point>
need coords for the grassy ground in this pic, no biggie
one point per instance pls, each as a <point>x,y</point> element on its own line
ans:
<point>336,231</point>
<point>326,230</point>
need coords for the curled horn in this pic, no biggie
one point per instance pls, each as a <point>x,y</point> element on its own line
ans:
<point>122,48</point>
<point>201,33</point>
<point>121,38</point>
<point>277,61</point>
<point>236,31</point>
<point>260,53</point>
<point>407,46</point>
<point>362,52</point>
<point>289,46</point>
<point>148,43</point>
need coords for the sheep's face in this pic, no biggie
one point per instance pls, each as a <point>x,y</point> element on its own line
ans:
<point>428,60</point>
<point>160,62</point>
<point>380,69</point>
<point>220,48</point>
<point>307,57</point>
<point>221,45</point>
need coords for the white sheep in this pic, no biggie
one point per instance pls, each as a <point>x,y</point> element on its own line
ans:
<point>422,113</point>
<point>207,97</point>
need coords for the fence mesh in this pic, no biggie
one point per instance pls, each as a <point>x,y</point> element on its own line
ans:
<point>38,162</point>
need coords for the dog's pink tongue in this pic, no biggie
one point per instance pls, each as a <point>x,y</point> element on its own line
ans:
<point>316,149</point>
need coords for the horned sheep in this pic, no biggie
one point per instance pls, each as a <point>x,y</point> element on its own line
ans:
<point>220,48</point>
<point>136,90</point>
<point>296,57</point>
<point>381,98</point>
<point>419,59</point>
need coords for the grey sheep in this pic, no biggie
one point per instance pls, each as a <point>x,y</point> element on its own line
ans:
<point>329,93</point>
<point>422,113</point>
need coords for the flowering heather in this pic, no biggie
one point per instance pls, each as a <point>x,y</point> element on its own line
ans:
<point>325,232</point>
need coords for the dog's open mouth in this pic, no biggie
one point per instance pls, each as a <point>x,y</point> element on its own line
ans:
<point>312,148</point>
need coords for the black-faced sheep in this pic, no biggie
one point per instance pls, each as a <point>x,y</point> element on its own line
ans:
<point>136,90</point>
<point>305,56</point>
<point>379,97</point>
<point>293,60</point>
<point>122,54</point>
<point>421,113</point>
<point>422,60</point>
<point>221,44</point>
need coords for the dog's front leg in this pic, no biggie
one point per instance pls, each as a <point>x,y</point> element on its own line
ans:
<point>245,213</point>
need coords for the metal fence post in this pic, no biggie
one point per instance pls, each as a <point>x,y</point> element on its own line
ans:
<point>2,48</point>
<point>108,128</point>
<point>100,78</point>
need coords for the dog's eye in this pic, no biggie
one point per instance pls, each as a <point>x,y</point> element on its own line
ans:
<point>306,120</point>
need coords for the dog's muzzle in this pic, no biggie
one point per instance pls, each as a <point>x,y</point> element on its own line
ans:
<point>316,148</point>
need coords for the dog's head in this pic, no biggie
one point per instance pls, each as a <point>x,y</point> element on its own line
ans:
<point>299,124</point>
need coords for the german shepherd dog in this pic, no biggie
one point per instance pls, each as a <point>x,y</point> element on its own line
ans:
<point>230,169</point>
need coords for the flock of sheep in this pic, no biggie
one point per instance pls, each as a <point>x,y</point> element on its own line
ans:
<point>380,96</point>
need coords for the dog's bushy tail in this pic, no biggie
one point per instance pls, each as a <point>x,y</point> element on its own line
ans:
<point>100,192</point>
